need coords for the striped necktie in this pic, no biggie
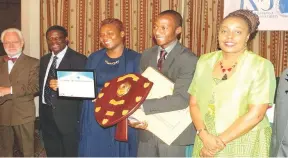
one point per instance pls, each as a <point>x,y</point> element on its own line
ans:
<point>160,62</point>
<point>51,75</point>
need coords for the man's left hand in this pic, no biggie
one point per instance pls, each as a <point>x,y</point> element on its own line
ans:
<point>140,125</point>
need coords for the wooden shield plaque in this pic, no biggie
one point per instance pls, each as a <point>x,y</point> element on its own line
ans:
<point>118,99</point>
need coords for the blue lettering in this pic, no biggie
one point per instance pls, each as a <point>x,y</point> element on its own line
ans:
<point>270,7</point>
<point>254,6</point>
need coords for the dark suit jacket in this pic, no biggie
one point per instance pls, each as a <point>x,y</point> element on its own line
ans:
<point>19,108</point>
<point>179,67</point>
<point>67,111</point>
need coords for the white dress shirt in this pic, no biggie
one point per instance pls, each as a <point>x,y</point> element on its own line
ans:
<point>10,63</point>
<point>10,66</point>
<point>167,50</point>
<point>60,56</point>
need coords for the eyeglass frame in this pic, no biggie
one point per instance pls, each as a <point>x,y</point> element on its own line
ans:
<point>13,43</point>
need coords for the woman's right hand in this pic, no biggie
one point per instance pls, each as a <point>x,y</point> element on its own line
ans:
<point>206,153</point>
<point>211,142</point>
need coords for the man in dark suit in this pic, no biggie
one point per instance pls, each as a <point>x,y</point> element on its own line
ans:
<point>178,64</point>
<point>59,117</point>
<point>18,84</point>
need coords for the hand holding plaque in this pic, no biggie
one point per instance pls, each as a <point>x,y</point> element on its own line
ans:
<point>118,99</point>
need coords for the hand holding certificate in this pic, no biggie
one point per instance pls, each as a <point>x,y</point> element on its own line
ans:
<point>174,122</point>
<point>76,83</point>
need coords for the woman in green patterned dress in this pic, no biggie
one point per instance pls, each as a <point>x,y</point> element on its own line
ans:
<point>230,93</point>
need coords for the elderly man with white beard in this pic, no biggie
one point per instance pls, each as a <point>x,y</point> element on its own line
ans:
<point>18,84</point>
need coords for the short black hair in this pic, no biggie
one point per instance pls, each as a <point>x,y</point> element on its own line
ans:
<point>116,22</point>
<point>58,28</point>
<point>177,16</point>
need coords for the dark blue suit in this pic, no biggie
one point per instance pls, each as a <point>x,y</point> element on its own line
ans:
<point>97,141</point>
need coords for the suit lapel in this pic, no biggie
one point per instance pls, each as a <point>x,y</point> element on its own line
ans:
<point>4,79</point>
<point>18,66</point>
<point>65,63</point>
<point>153,58</point>
<point>170,58</point>
<point>46,62</point>
<point>4,67</point>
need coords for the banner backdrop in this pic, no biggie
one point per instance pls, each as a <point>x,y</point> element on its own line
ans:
<point>273,14</point>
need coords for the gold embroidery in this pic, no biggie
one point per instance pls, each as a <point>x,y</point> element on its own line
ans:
<point>106,84</point>
<point>104,121</point>
<point>146,85</point>
<point>134,77</point>
<point>137,99</point>
<point>110,113</point>
<point>97,109</point>
<point>115,103</point>
<point>100,95</point>
<point>124,112</point>
<point>123,89</point>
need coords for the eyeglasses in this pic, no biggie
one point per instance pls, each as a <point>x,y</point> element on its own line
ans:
<point>13,43</point>
<point>58,39</point>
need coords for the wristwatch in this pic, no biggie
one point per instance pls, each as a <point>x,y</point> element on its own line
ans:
<point>200,130</point>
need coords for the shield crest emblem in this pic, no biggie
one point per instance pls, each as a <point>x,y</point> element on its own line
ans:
<point>118,99</point>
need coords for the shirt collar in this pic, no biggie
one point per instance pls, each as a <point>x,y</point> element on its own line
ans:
<point>169,48</point>
<point>61,54</point>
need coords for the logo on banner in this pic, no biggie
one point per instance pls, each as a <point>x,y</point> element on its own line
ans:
<point>273,14</point>
<point>266,8</point>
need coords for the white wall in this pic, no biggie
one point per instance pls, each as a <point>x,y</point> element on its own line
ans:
<point>30,26</point>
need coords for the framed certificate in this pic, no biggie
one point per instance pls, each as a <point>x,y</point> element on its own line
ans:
<point>76,83</point>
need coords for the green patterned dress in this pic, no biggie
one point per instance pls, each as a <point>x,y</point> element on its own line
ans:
<point>221,103</point>
<point>252,144</point>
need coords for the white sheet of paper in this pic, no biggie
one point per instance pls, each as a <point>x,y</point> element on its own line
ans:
<point>76,84</point>
<point>174,122</point>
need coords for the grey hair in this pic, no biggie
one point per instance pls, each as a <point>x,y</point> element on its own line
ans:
<point>19,33</point>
